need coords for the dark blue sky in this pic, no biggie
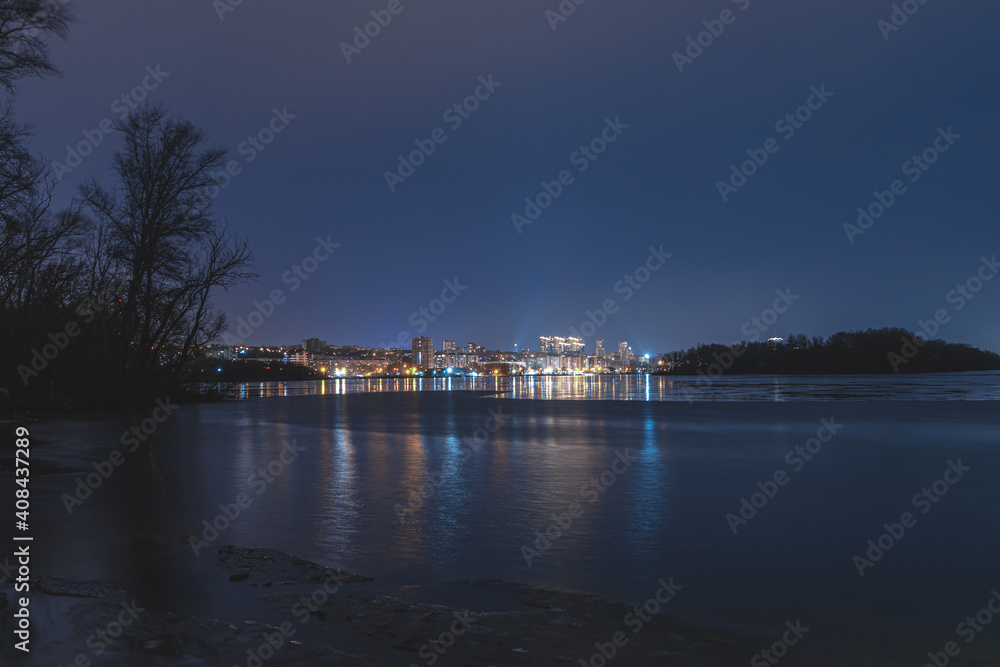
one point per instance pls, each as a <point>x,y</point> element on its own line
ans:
<point>324,174</point>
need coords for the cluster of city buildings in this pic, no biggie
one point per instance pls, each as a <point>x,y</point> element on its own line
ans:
<point>559,354</point>
<point>555,355</point>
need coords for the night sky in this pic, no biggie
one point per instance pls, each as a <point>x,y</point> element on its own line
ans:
<point>608,64</point>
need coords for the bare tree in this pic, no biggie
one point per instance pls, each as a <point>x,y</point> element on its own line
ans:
<point>38,265</point>
<point>166,250</point>
<point>24,27</point>
<point>138,260</point>
<point>30,235</point>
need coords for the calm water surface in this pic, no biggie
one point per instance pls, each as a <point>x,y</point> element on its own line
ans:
<point>937,387</point>
<point>366,452</point>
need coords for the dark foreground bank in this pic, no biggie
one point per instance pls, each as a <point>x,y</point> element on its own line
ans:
<point>295,612</point>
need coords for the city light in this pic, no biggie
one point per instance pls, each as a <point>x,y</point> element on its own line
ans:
<point>555,356</point>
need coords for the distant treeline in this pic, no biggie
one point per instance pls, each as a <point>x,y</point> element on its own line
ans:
<point>104,301</point>
<point>888,350</point>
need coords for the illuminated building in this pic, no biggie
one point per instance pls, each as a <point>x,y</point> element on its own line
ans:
<point>423,352</point>
<point>558,345</point>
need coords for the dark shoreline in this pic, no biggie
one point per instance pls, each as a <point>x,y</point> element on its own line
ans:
<point>311,615</point>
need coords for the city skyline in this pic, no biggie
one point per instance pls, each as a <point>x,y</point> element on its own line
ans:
<point>598,343</point>
<point>591,141</point>
<point>554,355</point>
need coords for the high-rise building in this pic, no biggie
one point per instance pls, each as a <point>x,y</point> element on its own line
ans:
<point>559,345</point>
<point>601,352</point>
<point>450,353</point>
<point>313,344</point>
<point>624,355</point>
<point>423,352</point>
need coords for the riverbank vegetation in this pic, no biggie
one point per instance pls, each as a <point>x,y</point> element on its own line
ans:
<point>887,350</point>
<point>105,300</point>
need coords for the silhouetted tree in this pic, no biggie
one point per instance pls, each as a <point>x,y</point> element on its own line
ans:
<point>25,26</point>
<point>887,350</point>
<point>38,267</point>
<point>165,251</point>
<point>130,268</point>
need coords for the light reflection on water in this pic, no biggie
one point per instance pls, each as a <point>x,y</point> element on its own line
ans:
<point>941,386</point>
<point>665,517</point>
